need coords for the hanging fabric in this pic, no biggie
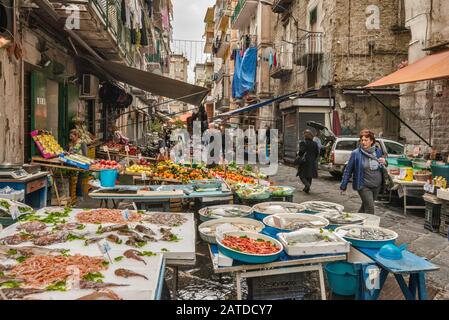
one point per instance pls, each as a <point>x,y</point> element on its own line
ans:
<point>143,31</point>
<point>236,79</point>
<point>133,36</point>
<point>245,73</point>
<point>123,11</point>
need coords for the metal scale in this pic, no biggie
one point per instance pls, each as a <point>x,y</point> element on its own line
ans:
<point>12,171</point>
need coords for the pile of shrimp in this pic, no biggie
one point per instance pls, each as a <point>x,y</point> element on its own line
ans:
<point>106,216</point>
<point>41,271</point>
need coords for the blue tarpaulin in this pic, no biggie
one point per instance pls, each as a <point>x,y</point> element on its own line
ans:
<point>244,73</point>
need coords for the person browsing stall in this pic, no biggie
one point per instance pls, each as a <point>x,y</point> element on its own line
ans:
<point>366,166</point>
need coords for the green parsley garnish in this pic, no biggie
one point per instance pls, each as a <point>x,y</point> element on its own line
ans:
<point>21,259</point>
<point>10,284</point>
<point>93,277</point>
<point>147,254</point>
<point>141,244</point>
<point>58,286</point>
<point>65,252</point>
<point>72,237</point>
<point>117,259</point>
<point>174,238</point>
<point>81,227</point>
<point>165,250</point>
<point>11,252</point>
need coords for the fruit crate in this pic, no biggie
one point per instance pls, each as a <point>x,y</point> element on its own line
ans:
<point>444,226</point>
<point>433,216</point>
<point>278,287</point>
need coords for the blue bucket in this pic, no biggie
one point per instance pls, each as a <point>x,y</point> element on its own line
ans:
<point>342,278</point>
<point>108,178</point>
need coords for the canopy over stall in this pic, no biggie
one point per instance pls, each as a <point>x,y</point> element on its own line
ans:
<point>432,67</point>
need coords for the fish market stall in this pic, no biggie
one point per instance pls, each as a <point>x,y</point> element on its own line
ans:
<point>406,189</point>
<point>132,245</point>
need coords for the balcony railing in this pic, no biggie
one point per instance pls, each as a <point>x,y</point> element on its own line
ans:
<point>280,6</point>
<point>221,45</point>
<point>309,49</point>
<point>284,61</point>
<point>242,12</point>
<point>222,15</point>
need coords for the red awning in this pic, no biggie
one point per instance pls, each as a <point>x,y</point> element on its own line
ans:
<point>435,66</point>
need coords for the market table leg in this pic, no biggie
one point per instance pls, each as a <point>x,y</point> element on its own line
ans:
<point>413,284</point>
<point>407,294</point>
<point>422,291</point>
<point>238,282</point>
<point>175,282</point>
<point>405,200</point>
<point>322,286</point>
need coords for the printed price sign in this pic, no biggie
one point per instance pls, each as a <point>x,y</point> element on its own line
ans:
<point>144,176</point>
<point>139,156</point>
<point>105,149</point>
<point>125,214</point>
<point>104,246</point>
<point>127,148</point>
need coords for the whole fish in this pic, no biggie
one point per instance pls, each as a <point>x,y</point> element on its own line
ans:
<point>98,285</point>
<point>126,233</point>
<point>93,240</point>
<point>113,238</point>
<point>149,239</point>
<point>32,226</point>
<point>58,237</point>
<point>142,229</point>
<point>19,293</point>
<point>134,254</point>
<point>15,239</point>
<point>117,227</point>
<point>37,251</point>
<point>69,226</point>
<point>101,295</point>
<point>125,273</point>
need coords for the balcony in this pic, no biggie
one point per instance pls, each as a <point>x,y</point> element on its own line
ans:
<point>221,46</point>
<point>308,51</point>
<point>222,16</point>
<point>223,104</point>
<point>209,45</point>
<point>280,6</point>
<point>284,67</point>
<point>243,12</point>
<point>101,27</point>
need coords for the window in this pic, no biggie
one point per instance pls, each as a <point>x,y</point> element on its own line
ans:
<point>347,145</point>
<point>313,16</point>
<point>394,148</point>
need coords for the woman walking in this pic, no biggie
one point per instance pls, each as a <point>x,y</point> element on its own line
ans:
<point>307,160</point>
<point>366,166</point>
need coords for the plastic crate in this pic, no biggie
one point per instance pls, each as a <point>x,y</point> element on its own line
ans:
<point>433,217</point>
<point>279,287</point>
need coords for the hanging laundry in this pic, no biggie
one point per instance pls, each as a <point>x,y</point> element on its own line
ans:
<point>275,60</point>
<point>143,31</point>
<point>271,60</point>
<point>245,73</point>
<point>236,79</point>
<point>123,11</point>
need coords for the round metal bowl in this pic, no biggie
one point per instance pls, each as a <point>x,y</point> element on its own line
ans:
<point>357,219</point>
<point>246,212</point>
<point>315,206</point>
<point>263,210</point>
<point>248,257</point>
<point>210,237</point>
<point>362,243</point>
<point>273,230</point>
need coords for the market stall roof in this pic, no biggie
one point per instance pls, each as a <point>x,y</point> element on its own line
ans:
<point>256,106</point>
<point>156,84</point>
<point>432,67</point>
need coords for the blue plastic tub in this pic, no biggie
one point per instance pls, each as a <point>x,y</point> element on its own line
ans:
<point>342,278</point>
<point>250,258</point>
<point>108,178</point>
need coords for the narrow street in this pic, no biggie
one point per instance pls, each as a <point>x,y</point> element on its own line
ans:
<point>199,282</point>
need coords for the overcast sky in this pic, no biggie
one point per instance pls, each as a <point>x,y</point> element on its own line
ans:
<point>188,24</point>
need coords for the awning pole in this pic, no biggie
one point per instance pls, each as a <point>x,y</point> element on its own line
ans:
<point>399,118</point>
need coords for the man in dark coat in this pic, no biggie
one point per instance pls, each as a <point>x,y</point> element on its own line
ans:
<point>307,160</point>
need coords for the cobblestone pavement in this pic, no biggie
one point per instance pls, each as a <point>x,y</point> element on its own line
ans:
<point>200,283</point>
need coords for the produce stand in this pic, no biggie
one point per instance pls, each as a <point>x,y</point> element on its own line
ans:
<point>157,194</point>
<point>285,265</point>
<point>34,186</point>
<point>53,165</point>
<point>405,187</point>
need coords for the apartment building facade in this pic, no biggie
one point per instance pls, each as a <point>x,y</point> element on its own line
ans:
<point>327,51</point>
<point>47,80</point>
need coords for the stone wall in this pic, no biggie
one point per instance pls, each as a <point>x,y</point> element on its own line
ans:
<point>422,106</point>
<point>11,111</point>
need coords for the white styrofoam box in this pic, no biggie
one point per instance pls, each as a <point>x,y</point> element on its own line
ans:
<point>443,194</point>
<point>341,246</point>
<point>18,195</point>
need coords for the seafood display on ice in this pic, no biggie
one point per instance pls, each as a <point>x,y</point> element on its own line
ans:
<point>225,211</point>
<point>322,206</point>
<point>98,216</point>
<point>292,222</point>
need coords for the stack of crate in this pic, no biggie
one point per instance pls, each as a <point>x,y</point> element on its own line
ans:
<point>433,212</point>
<point>444,219</point>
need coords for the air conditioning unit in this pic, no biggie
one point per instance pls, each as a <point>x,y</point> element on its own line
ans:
<point>89,86</point>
